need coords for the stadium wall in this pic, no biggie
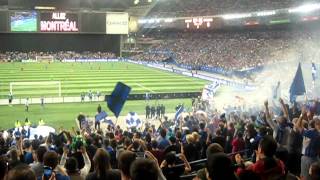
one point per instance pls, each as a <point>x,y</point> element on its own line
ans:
<point>59,42</point>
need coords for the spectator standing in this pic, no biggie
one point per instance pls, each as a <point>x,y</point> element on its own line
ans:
<point>37,165</point>
<point>102,167</point>
<point>50,162</point>
<point>169,168</point>
<point>267,166</point>
<point>71,164</point>
<point>310,145</point>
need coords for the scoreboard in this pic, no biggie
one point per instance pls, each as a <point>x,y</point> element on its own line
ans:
<point>59,22</point>
<point>24,21</point>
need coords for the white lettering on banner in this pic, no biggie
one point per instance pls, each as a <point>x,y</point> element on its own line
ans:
<point>59,23</point>
<point>59,16</point>
<point>56,26</point>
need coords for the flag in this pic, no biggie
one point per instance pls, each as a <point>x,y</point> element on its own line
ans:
<point>133,120</point>
<point>209,91</point>
<point>297,87</point>
<point>314,71</point>
<point>117,98</point>
<point>108,121</point>
<point>101,115</point>
<point>178,114</point>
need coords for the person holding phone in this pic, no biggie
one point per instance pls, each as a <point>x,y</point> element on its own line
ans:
<point>170,169</point>
<point>71,164</point>
<point>51,169</point>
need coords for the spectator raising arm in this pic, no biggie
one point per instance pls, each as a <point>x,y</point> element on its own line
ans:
<point>186,163</point>
<point>149,155</point>
<point>272,124</point>
<point>284,109</point>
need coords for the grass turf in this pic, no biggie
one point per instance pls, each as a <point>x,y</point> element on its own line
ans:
<point>81,77</point>
<point>57,115</point>
<point>76,78</point>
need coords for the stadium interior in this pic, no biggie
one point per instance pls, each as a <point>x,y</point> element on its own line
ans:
<point>159,89</point>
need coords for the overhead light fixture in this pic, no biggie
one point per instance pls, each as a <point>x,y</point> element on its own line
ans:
<point>236,16</point>
<point>305,8</point>
<point>135,2</point>
<point>44,8</point>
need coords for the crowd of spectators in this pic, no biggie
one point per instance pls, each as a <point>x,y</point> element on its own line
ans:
<point>61,55</point>
<point>188,8</point>
<point>263,145</point>
<point>232,50</point>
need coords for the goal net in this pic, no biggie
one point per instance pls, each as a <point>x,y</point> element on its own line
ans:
<point>36,88</point>
<point>44,58</point>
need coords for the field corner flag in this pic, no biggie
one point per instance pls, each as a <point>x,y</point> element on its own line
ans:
<point>117,98</point>
<point>297,87</point>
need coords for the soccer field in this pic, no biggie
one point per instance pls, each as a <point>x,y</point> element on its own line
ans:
<point>57,115</point>
<point>76,78</point>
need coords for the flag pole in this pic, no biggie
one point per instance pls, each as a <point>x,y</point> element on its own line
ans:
<point>116,121</point>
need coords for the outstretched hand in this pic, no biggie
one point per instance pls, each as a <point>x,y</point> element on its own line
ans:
<point>281,101</point>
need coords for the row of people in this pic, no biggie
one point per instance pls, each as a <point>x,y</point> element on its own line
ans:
<point>264,146</point>
<point>61,55</point>
<point>232,50</point>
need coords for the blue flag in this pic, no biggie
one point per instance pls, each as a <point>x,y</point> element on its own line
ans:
<point>314,71</point>
<point>178,114</point>
<point>117,98</point>
<point>100,116</point>
<point>297,87</point>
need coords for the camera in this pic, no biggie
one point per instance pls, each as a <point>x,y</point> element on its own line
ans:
<point>140,155</point>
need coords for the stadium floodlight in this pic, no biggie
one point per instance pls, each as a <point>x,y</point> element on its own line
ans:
<point>142,21</point>
<point>44,8</point>
<point>266,13</point>
<point>236,16</point>
<point>36,83</point>
<point>305,8</point>
<point>168,20</point>
<point>151,21</point>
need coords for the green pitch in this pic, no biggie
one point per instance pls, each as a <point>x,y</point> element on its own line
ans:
<point>57,115</point>
<point>76,78</point>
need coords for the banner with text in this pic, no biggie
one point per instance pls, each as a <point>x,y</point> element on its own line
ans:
<point>117,23</point>
<point>59,22</point>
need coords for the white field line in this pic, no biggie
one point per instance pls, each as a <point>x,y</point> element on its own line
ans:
<point>140,85</point>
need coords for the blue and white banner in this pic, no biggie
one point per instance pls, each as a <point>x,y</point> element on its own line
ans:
<point>178,115</point>
<point>101,116</point>
<point>133,120</point>
<point>210,90</point>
